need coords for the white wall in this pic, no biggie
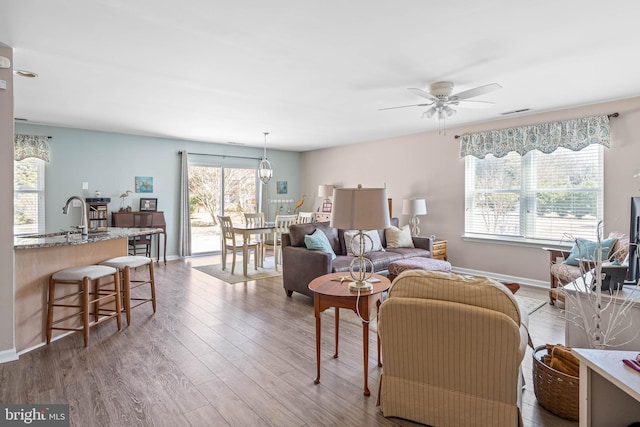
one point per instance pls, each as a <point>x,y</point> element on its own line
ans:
<point>7,344</point>
<point>428,165</point>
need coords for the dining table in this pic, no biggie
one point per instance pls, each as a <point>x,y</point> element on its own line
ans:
<point>246,232</point>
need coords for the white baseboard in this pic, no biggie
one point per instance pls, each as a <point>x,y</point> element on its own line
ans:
<point>8,355</point>
<point>503,277</point>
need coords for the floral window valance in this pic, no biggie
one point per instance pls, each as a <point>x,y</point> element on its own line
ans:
<point>26,146</point>
<point>573,134</point>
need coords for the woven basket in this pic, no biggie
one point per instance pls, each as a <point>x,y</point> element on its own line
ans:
<point>556,391</point>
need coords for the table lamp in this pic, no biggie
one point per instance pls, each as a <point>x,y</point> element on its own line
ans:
<point>360,209</point>
<point>325,191</point>
<point>414,207</point>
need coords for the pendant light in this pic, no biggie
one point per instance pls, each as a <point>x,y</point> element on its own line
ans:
<point>265,172</point>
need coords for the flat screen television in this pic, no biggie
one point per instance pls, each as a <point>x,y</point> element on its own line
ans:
<point>634,240</point>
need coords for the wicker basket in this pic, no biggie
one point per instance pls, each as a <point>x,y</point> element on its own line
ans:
<point>556,391</point>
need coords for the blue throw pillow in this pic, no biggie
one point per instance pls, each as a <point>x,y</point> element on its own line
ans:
<point>587,249</point>
<point>318,242</point>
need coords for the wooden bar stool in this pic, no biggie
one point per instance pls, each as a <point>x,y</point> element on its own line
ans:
<point>92,293</point>
<point>124,264</point>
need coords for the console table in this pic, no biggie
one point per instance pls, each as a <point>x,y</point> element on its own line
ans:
<point>125,220</point>
<point>609,390</point>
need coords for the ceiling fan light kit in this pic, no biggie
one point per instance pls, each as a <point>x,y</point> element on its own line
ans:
<point>441,99</point>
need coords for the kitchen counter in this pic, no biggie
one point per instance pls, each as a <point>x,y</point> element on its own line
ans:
<point>63,238</point>
<point>37,257</point>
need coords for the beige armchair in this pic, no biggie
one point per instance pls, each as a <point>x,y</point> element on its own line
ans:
<point>452,346</point>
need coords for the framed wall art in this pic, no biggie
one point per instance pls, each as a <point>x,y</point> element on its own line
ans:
<point>281,187</point>
<point>148,205</point>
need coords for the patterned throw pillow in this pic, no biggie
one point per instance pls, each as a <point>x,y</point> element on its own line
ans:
<point>318,242</point>
<point>351,239</point>
<point>586,249</point>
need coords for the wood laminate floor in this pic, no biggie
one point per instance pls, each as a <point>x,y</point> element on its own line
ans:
<point>216,354</point>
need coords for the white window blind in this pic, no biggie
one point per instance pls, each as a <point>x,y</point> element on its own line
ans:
<point>28,196</point>
<point>537,198</point>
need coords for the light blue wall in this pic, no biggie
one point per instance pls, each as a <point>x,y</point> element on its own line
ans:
<point>109,162</point>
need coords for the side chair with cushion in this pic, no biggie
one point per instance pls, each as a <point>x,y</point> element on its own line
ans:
<point>305,217</point>
<point>452,347</point>
<point>230,243</point>
<point>281,226</point>
<point>565,265</point>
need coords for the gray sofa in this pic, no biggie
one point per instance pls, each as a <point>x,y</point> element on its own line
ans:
<point>301,265</point>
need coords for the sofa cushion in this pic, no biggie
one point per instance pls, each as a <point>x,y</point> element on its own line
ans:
<point>297,232</point>
<point>621,248</point>
<point>341,264</point>
<point>318,241</point>
<point>584,248</point>
<point>399,237</point>
<point>411,252</point>
<point>352,238</point>
<point>382,259</point>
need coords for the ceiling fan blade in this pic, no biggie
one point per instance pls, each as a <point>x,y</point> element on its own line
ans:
<point>422,93</point>
<point>480,90</point>
<point>405,106</point>
<point>475,104</point>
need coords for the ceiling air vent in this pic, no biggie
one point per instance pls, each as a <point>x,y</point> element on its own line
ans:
<point>522,110</point>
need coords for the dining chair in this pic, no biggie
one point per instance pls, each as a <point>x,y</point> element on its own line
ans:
<point>256,220</point>
<point>141,245</point>
<point>281,226</point>
<point>304,218</point>
<point>229,242</point>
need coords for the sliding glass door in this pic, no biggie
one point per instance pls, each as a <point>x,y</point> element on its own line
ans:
<point>218,190</point>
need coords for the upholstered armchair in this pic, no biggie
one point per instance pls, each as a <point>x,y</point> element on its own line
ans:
<point>452,346</point>
<point>561,273</point>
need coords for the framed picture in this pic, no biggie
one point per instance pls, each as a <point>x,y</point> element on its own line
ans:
<point>326,207</point>
<point>281,187</point>
<point>144,184</point>
<point>149,205</point>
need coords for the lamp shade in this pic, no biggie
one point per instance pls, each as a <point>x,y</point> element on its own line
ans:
<point>325,190</point>
<point>414,207</point>
<point>360,209</point>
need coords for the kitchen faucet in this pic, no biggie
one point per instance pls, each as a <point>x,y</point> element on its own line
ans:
<point>83,214</point>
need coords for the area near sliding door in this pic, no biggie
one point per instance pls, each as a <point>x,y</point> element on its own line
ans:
<point>219,188</point>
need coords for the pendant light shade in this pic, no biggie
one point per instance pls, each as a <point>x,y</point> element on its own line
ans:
<point>265,172</point>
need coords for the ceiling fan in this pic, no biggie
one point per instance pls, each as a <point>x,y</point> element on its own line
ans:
<point>441,99</point>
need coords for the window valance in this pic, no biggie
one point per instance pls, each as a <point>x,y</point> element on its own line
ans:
<point>31,146</point>
<point>573,134</point>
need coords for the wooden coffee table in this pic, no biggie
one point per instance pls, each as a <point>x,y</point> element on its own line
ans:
<point>329,293</point>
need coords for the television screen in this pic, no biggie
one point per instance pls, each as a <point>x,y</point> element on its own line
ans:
<point>634,240</point>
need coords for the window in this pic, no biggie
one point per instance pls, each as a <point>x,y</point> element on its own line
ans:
<point>28,196</point>
<point>535,198</point>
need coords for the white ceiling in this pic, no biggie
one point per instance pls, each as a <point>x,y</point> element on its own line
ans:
<point>312,73</point>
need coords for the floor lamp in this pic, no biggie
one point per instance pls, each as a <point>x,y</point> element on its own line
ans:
<point>360,209</point>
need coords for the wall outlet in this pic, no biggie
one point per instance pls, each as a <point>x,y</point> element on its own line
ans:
<point>3,84</point>
<point>85,185</point>
<point>76,203</point>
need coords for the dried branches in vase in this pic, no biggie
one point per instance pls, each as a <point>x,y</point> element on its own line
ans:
<point>602,310</point>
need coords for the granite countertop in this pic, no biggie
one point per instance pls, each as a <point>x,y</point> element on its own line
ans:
<point>63,238</point>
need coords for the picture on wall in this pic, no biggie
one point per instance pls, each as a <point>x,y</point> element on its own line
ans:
<point>150,205</point>
<point>281,187</point>
<point>144,184</point>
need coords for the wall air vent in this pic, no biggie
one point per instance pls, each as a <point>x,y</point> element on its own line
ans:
<point>522,110</point>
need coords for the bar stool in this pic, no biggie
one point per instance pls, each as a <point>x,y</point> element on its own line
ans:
<point>91,294</point>
<point>124,264</point>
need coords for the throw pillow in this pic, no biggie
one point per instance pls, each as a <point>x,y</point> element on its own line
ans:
<point>318,242</point>
<point>587,249</point>
<point>398,237</point>
<point>351,239</point>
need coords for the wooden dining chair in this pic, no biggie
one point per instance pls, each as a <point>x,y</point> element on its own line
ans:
<point>141,245</point>
<point>304,218</point>
<point>281,226</point>
<point>229,242</point>
<point>256,220</point>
